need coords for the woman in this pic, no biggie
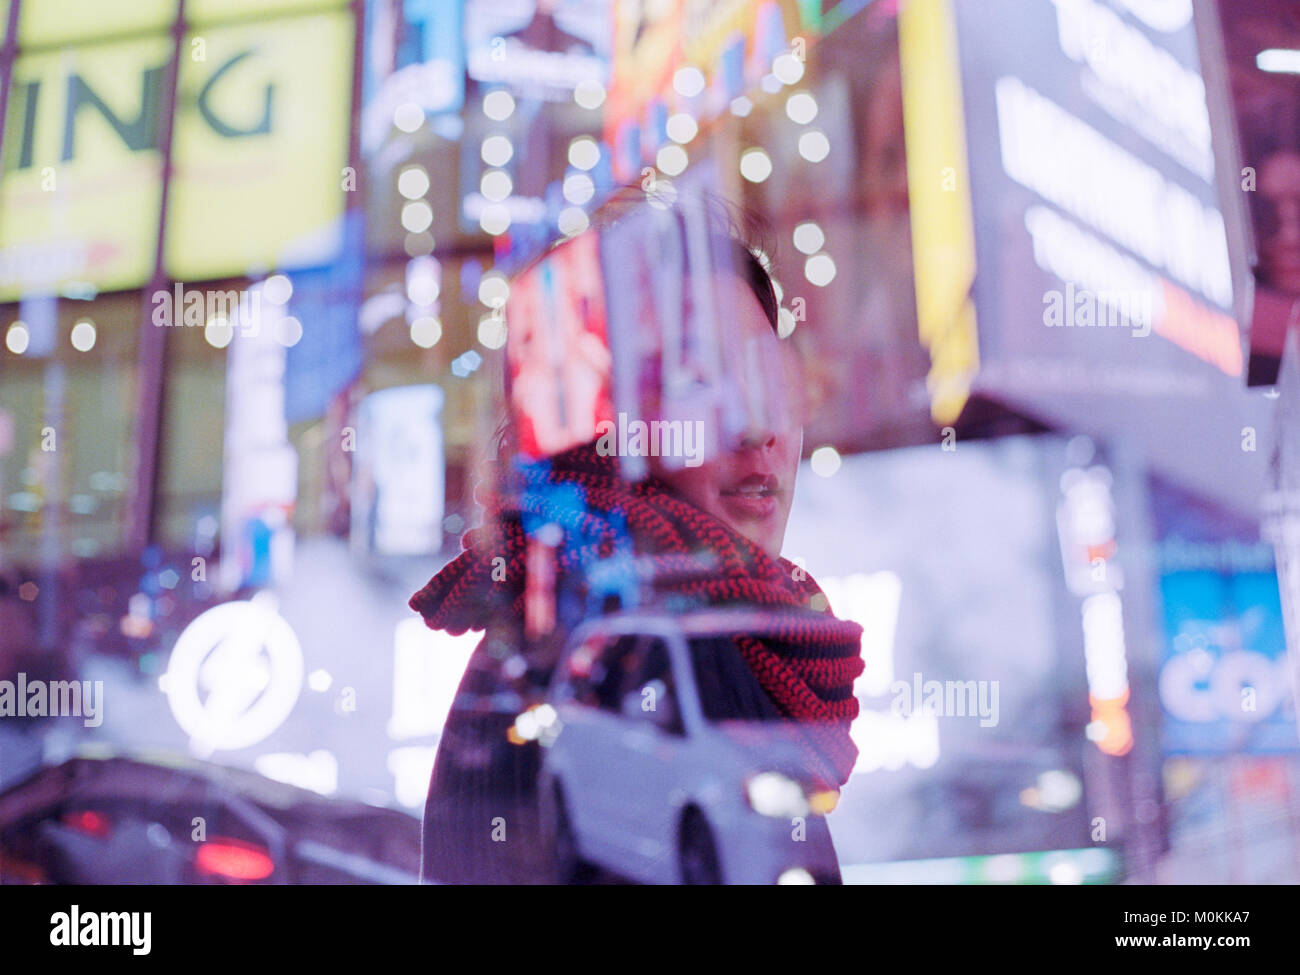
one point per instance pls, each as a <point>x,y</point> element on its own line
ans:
<point>707,534</point>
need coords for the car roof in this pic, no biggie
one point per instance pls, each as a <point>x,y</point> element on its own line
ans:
<point>709,621</point>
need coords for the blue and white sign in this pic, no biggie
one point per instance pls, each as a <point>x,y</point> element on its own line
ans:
<point>1224,682</point>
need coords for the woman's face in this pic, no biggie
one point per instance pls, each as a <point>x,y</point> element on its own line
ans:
<point>750,488</point>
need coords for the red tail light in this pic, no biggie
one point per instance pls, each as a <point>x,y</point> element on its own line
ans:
<point>88,821</point>
<point>234,860</point>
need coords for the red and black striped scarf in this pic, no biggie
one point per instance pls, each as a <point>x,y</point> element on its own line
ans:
<point>806,663</point>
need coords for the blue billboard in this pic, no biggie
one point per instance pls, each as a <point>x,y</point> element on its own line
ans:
<point>1224,680</point>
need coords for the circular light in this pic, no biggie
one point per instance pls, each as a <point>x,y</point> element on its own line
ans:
<point>578,188</point>
<point>18,338</point>
<point>787,68</point>
<point>770,84</point>
<point>218,333</point>
<point>422,286</point>
<point>825,461</point>
<point>801,107</point>
<point>425,331</point>
<point>671,160</point>
<point>492,331</point>
<point>584,153</point>
<point>808,237</point>
<point>814,146</point>
<point>493,289</point>
<point>288,330</point>
<point>408,116</point>
<point>1059,789</point>
<point>526,726</point>
<point>418,245</point>
<point>417,216</point>
<point>495,219</point>
<point>496,185</point>
<point>250,659</point>
<point>573,220</point>
<point>741,107</point>
<point>589,94</point>
<point>498,105</point>
<point>785,323</point>
<point>496,150</point>
<point>278,289</point>
<point>413,182</point>
<point>819,270</point>
<point>755,165</point>
<point>83,335</point>
<point>688,81</point>
<point>319,680</point>
<point>681,128</point>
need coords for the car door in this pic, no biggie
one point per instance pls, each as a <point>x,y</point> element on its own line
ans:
<point>590,744</point>
<point>651,742</point>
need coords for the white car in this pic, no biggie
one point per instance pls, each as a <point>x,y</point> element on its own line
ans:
<point>646,774</point>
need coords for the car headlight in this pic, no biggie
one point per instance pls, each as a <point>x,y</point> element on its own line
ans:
<point>824,801</point>
<point>774,794</point>
<point>796,875</point>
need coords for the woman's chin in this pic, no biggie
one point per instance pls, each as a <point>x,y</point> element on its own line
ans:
<point>764,536</point>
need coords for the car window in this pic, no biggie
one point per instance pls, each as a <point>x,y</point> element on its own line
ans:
<point>651,682</point>
<point>599,668</point>
<point>727,687</point>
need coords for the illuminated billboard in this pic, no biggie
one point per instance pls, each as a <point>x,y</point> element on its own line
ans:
<point>1224,679</point>
<point>259,149</point>
<point>729,46</point>
<point>543,48</point>
<point>82,175</point>
<point>557,353</point>
<point>397,486</point>
<point>59,22</point>
<point>260,145</point>
<point>1089,222</point>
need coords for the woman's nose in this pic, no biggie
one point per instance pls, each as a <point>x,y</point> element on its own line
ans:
<point>755,439</point>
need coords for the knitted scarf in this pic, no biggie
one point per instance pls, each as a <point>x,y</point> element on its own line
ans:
<point>806,662</point>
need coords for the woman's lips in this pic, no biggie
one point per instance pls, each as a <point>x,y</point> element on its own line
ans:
<point>752,498</point>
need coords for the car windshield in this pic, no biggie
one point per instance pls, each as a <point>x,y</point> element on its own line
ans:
<point>728,689</point>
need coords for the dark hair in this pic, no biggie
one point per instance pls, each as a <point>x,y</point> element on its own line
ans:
<point>759,281</point>
<point>739,230</point>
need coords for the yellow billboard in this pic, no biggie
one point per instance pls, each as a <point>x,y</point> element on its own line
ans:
<point>45,23</point>
<point>212,11</point>
<point>81,189</point>
<point>260,146</point>
<point>48,22</point>
<point>938,186</point>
